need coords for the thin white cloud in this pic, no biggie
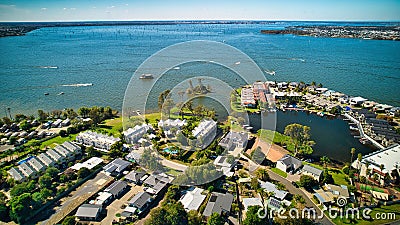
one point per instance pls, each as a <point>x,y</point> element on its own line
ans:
<point>43,9</point>
<point>64,8</point>
<point>72,8</point>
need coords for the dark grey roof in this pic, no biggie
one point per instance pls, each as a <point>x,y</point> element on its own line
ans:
<point>118,165</point>
<point>153,180</point>
<point>217,203</point>
<point>140,199</point>
<point>290,160</point>
<point>312,170</point>
<point>72,147</point>
<point>116,188</point>
<point>88,210</point>
<point>135,176</point>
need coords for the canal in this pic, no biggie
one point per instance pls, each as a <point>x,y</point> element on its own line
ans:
<point>332,135</point>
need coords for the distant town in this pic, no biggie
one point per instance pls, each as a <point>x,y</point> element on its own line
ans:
<point>85,167</point>
<point>361,32</point>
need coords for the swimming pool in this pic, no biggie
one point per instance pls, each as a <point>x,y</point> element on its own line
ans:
<point>169,151</point>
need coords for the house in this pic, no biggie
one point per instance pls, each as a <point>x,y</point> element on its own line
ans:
<point>270,187</point>
<point>63,152</point>
<point>168,124</point>
<point>72,147</point>
<point>117,188</point>
<point>90,163</point>
<point>36,164</point>
<point>116,167</point>
<point>103,199</point>
<point>66,122</point>
<point>133,135</point>
<point>192,199</point>
<point>141,201</point>
<point>330,193</point>
<point>57,123</point>
<point>312,171</point>
<point>89,212</point>
<point>234,140</point>
<point>225,164</point>
<point>357,101</point>
<point>247,202</point>
<point>382,108</point>
<point>16,174</point>
<point>156,183</point>
<point>46,160</point>
<point>288,163</point>
<point>27,170</point>
<point>205,132</point>
<point>247,97</point>
<point>218,203</point>
<point>100,141</point>
<point>135,177</point>
<point>55,156</point>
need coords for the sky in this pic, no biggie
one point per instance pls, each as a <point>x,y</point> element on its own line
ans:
<point>141,10</point>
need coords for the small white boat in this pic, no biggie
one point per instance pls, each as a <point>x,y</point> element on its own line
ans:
<point>146,76</point>
<point>61,93</point>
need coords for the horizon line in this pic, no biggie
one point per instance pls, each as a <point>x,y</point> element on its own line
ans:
<point>209,20</point>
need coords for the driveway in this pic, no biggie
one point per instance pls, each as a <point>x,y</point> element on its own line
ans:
<point>293,190</point>
<point>115,206</point>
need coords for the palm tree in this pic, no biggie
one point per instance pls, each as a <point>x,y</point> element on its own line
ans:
<point>381,167</point>
<point>359,158</point>
<point>325,160</point>
<point>262,174</point>
<point>352,151</point>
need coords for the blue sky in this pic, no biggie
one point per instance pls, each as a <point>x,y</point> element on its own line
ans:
<point>81,10</point>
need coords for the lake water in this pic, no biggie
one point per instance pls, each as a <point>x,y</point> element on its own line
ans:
<point>107,56</point>
<point>51,60</point>
<point>331,135</point>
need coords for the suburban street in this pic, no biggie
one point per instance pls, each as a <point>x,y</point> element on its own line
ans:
<point>293,190</point>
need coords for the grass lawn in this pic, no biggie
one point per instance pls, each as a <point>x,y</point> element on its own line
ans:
<point>338,176</point>
<point>276,138</point>
<point>51,143</point>
<point>111,126</point>
<point>376,212</point>
<point>369,187</point>
<point>279,172</point>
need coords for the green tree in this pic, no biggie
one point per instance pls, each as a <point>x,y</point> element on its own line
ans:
<point>325,160</point>
<point>83,172</point>
<point>7,120</point>
<point>162,97</point>
<point>262,174</point>
<point>254,183</point>
<point>24,125</point>
<point>215,219</point>
<point>52,172</point>
<point>173,194</point>
<point>69,220</point>
<point>300,137</point>
<point>83,112</point>
<point>168,214</point>
<point>45,181</point>
<point>42,115</point>
<point>63,133</point>
<point>194,218</point>
<point>327,177</point>
<point>92,152</point>
<point>21,207</point>
<point>252,217</point>
<point>307,182</point>
<point>352,151</point>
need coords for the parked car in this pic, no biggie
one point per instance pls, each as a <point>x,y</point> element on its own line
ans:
<point>295,184</point>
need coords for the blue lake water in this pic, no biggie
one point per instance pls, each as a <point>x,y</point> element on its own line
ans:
<point>107,56</point>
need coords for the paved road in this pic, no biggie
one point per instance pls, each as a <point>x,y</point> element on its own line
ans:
<point>84,192</point>
<point>173,165</point>
<point>293,190</point>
